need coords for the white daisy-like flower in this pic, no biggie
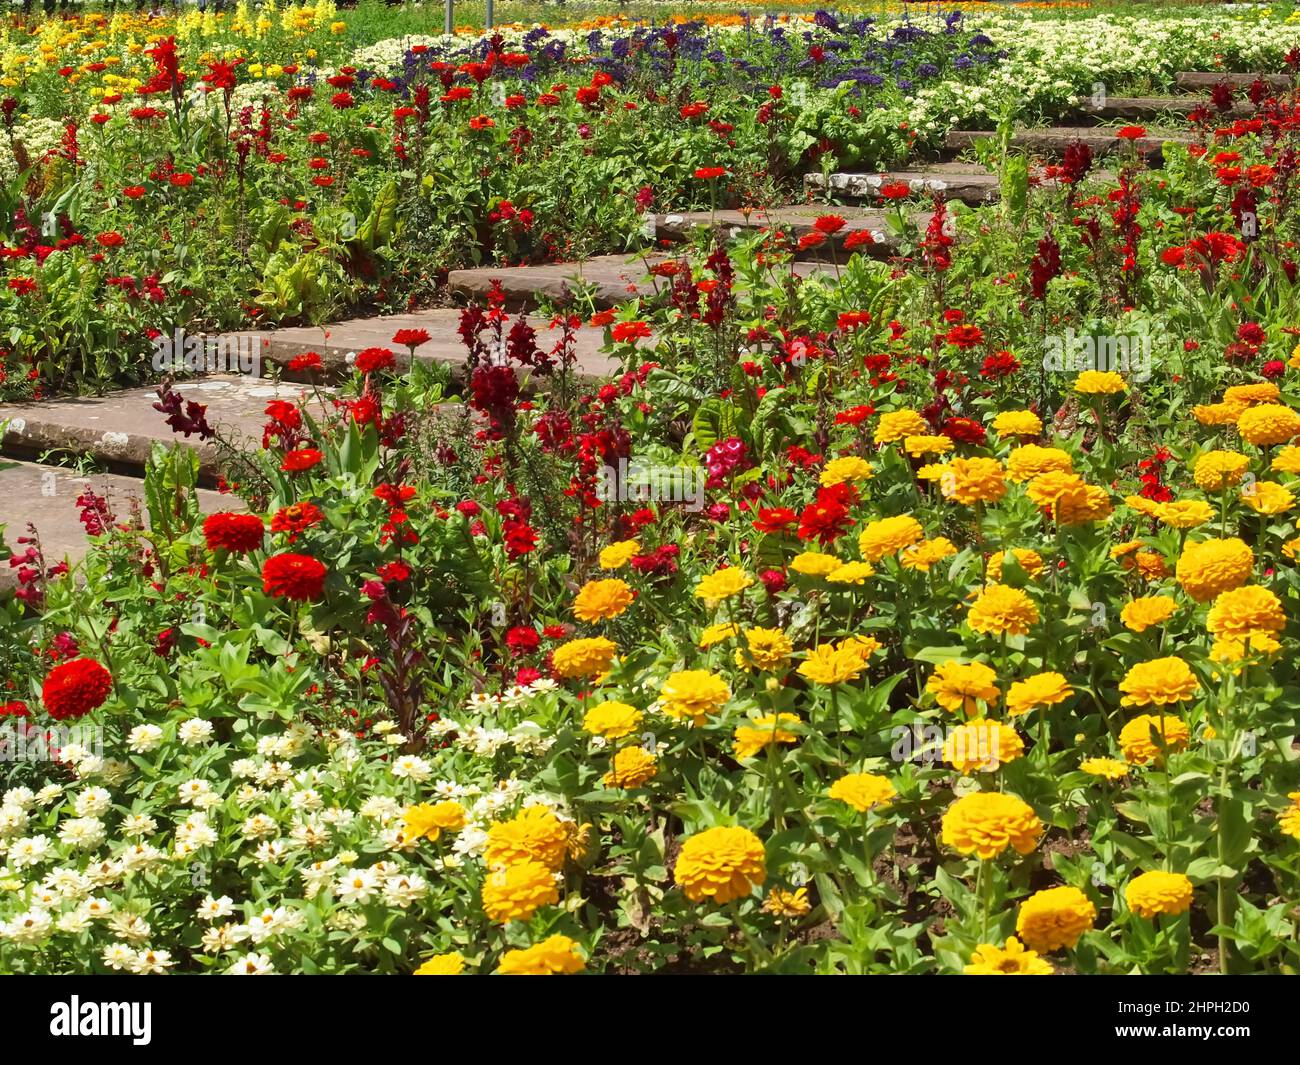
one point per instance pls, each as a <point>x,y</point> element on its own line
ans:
<point>118,956</point>
<point>211,909</point>
<point>356,885</point>
<point>195,731</point>
<point>252,965</point>
<point>144,738</point>
<point>411,767</point>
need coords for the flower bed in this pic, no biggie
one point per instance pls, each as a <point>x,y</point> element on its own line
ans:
<point>928,615</point>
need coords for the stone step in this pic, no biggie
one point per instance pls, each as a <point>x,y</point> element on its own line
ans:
<point>1051,142</point>
<point>335,343</point>
<point>797,220</point>
<point>118,430</point>
<point>46,497</point>
<point>1204,81</point>
<point>612,280</point>
<point>1146,108</point>
<point>950,181</point>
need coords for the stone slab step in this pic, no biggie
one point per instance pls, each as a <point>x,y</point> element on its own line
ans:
<point>951,181</point>
<point>1204,81</point>
<point>613,279</point>
<point>335,343</point>
<point>796,220</point>
<point>119,429</point>
<point>1146,108</point>
<point>1051,142</point>
<point>45,496</point>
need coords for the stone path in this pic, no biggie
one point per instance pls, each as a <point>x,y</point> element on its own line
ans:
<point>334,343</point>
<point>118,430</point>
<point>1202,81</point>
<point>46,496</point>
<point>1052,141</point>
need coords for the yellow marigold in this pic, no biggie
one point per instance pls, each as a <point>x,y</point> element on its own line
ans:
<point>1246,611</point>
<point>1029,561</point>
<point>1150,565</point>
<point>693,694</point>
<point>1055,918</point>
<point>1159,682</point>
<point>1268,424</point>
<point>1217,470</point>
<point>1229,650</point>
<point>1099,383</point>
<point>786,905</point>
<point>982,746</point>
<point>832,664</point>
<point>612,720</point>
<point>1093,505</point>
<point>888,536</point>
<point>1148,738</point>
<point>815,563</point>
<point>1000,610</point>
<point>851,573</point>
<point>1289,819</point>
<point>1209,568</point>
<point>958,686</point>
<point>928,552</point>
<point>1261,392</point>
<point>921,444</point>
<point>619,554</point>
<point>599,600</point>
<point>764,649</point>
<point>862,646</point>
<point>847,468</point>
<point>1294,360</point>
<point>900,423</point>
<point>863,791</point>
<point>1110,768</point>
<point>516,892</point>
<point>986,823</point>
<point>722,584</point>
<point>715,634</point>
<point>630,768</point>
<point>1121,551</point>
<point>1142,505</point>
<point>584,658</point>
<point>555,956</point>
<point>1267,497</point>
<point>973,480</point>
<point>1184,513</point>
<point>1292,548</point>
<point>1042,689</point>
<point>1217,413</point>
<point>1287,460</point>
<point>721,864</point>
<point>1012,960</point>
<point>442,965</point>
<point>1159,892</point>
<point>533,834</point>
<point>429,820</point>
<point>1017,423</point>
<point>932,471</point>
<point>1141,614</point>
<point>1027,462</point>
<point>1048,488</point>
<point>763,732</point>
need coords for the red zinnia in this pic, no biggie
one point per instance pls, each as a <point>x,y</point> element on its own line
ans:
<point>236,533</point>
<point>624,332</point>
<point>708,173</point>
<point>302,459</point>
<point>74,689</point>
<point>411,338</point>
<point>372,359</point>
<point>296,518</point>
<point>296,577</point>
